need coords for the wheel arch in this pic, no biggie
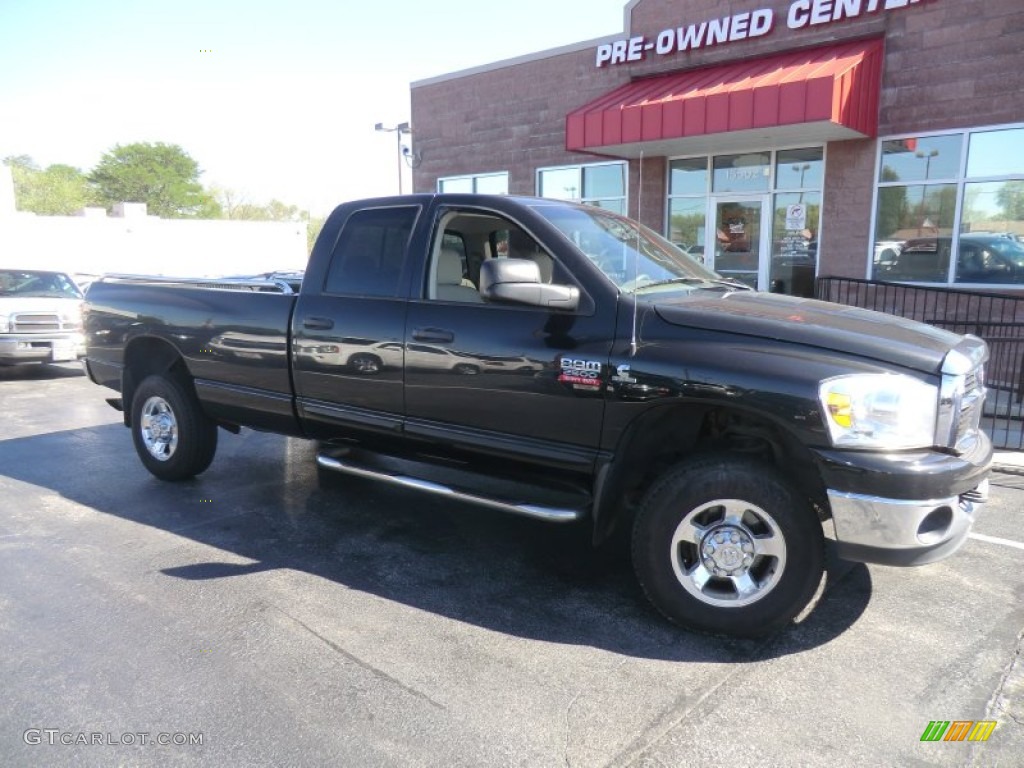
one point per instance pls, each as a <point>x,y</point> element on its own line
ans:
<point>665,435</point>
<point>145,356</point>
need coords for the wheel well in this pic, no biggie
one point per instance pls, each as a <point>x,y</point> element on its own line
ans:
<point>665,436</point>
<point>144,357</point>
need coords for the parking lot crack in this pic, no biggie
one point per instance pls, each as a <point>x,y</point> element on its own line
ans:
<point>378,673</point>
<point>673,716</point>
<point>1004,705</point>
<point>568,727</point>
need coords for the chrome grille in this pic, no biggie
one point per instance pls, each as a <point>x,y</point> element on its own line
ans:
<point>35,322</point>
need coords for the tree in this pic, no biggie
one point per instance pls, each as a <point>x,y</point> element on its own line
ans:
<point>60,190</point>
<point>313,227</point>
<point>1011,199</point>
<point>235,206</point>
<point>161,175</point>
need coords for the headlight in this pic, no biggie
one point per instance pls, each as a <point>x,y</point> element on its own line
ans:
<point>71,319</point>
<point>883,411</point>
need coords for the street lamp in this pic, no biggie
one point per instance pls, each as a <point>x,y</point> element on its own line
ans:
<point>804,168</point>
<point>398,130</point>
<point>928,160</point>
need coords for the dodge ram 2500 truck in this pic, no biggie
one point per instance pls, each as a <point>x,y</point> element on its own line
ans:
<point>560,361</point>
<point>40,317</point>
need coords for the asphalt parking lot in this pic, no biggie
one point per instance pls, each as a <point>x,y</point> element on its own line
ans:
<point>279,621</point>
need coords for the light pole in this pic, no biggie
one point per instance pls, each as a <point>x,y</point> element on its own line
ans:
<point>398,130</point>
<point>928,160</point>
<point>804,168</point>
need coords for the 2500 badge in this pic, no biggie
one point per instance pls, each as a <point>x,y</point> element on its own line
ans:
<point>581,373</point>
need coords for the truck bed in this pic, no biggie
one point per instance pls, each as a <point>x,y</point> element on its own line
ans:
<point>234,343</point>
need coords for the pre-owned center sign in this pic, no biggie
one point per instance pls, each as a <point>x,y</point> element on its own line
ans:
<point>740,26</point>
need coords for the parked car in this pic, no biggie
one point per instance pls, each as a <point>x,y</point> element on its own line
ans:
<point>40,317</point>
<point>981,258</point>
<point>716,426</point>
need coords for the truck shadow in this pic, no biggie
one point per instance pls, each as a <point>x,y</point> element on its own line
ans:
<point>38,372</point>
<point>261,500</point>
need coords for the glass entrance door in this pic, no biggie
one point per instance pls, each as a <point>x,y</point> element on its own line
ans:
<point>741,240</point>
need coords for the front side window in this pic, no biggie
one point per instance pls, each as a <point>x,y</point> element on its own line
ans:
<point>370,252</point>
<point>468,239</point>
<point>634,258</point>
<point>922,183</point>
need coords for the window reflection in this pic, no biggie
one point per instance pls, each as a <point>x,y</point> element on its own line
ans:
<point>991,248</point>
<point>921,159</point>
<point>996,153</point>
<point>687,224</point>
<point>463,184</point>
<point>688,177</point>
<point>750,172</point>
<point>599,184</point>
<point>799,168</point>
<point>921,213</point>
<point>561,183</point>
<point>481,183</point>
<point>604,181</point>
<point>796,220</point>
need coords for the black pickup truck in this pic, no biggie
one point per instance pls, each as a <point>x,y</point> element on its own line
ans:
<point>560,361</point>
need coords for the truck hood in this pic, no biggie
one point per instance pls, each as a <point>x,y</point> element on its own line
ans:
<point>11,305</point>
<point>834,327</point>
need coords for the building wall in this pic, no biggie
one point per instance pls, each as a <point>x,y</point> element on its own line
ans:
<point>506,119</point>
<point>948,64</point>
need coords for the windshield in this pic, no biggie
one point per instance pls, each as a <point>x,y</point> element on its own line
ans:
<point>1010,249</point>
<point>633,257</point>
<point>51,285</point>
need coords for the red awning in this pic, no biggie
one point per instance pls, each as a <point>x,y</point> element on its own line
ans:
<point>824,93</point>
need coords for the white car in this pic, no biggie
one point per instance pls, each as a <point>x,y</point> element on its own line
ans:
<point>40,317</point>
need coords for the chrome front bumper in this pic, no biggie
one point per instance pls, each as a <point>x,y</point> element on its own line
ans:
<point>41,348</point>
<point>871,529</point>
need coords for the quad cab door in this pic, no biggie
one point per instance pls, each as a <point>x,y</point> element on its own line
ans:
<point>349,325</point>
<point>515,380</point>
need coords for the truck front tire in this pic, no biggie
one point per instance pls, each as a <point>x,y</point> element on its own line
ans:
<point>723,544</point>
<point>174,438</point>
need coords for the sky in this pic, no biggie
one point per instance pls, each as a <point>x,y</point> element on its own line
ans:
<point>272,99</point>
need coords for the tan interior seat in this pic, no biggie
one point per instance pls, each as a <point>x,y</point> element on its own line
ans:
<point>450,285</point>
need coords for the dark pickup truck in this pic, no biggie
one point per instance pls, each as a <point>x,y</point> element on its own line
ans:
<point>559,361</point>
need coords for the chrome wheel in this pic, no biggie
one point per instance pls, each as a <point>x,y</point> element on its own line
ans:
<point>158,428</point>
<point>366,364</point>
<point>728,553</point>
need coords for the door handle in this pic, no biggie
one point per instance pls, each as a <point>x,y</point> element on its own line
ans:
<point>436,335</point>
<point>318,323</point>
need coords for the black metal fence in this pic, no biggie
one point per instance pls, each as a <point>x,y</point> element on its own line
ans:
<point>996,318</point>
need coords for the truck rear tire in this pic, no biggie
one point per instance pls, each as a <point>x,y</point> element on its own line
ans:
<point>174,438</point>
<point>722,544</point>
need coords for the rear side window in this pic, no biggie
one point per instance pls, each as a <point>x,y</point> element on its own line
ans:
<point>368,257</point>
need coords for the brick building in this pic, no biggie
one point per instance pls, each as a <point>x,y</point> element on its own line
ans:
<point>775,139</point>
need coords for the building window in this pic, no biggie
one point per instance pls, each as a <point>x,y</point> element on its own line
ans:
<point>479,183</point>
<point>950,208</point>
<point>789,181</point>
<point>600,184</point>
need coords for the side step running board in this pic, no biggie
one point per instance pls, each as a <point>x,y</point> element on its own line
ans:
<point>551,514</point>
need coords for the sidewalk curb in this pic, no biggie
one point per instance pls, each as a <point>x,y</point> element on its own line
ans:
<point>1008,469</point>
<point>1009,463</point>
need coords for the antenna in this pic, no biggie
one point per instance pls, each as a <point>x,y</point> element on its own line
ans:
<point>636,253</point>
